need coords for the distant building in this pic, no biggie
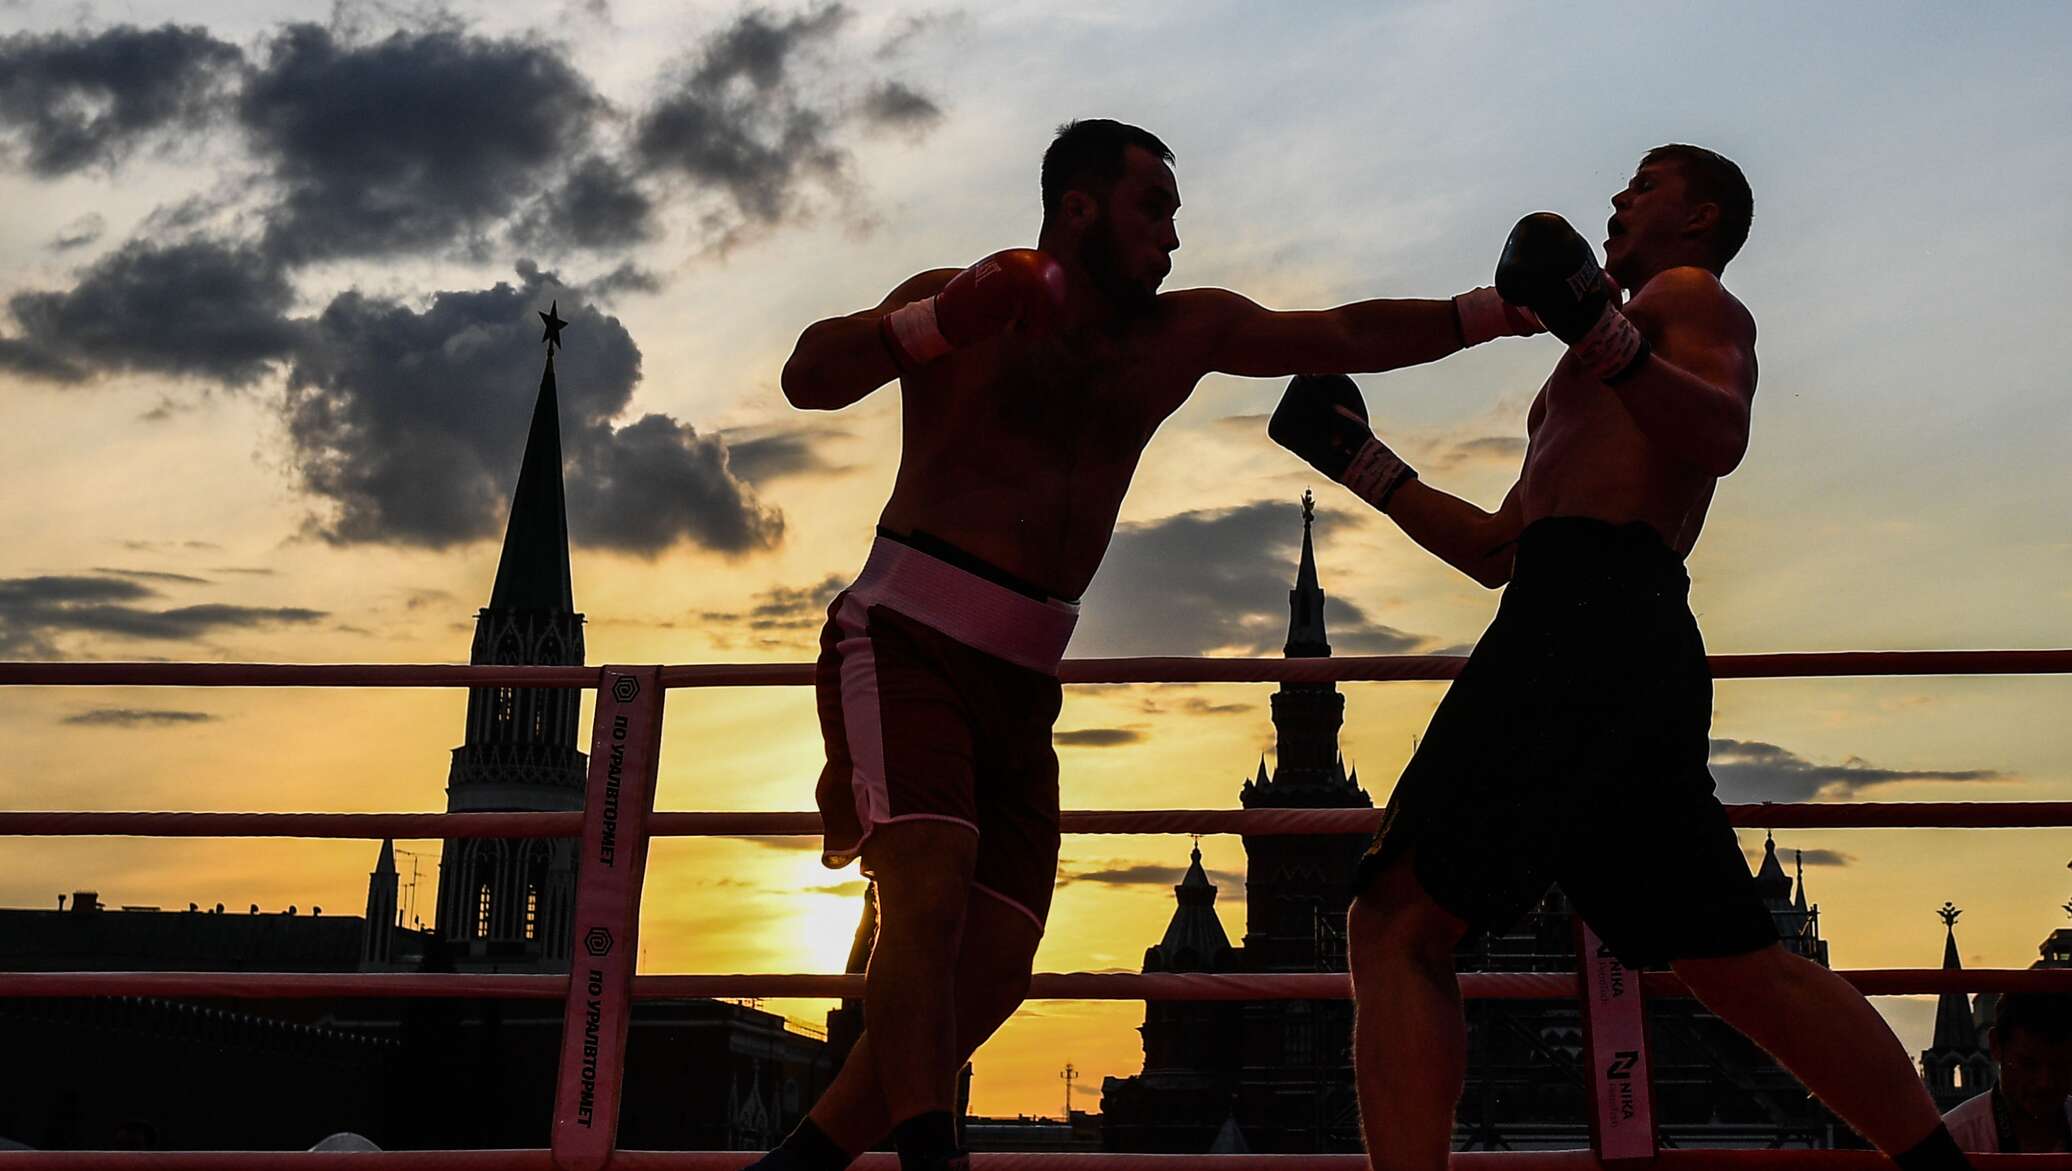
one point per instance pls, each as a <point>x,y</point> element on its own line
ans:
<point>1276,1076</point>
<point>407,1072</point>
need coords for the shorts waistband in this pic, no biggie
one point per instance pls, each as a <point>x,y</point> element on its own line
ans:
<point>1568,552</point>
<point>983,615</point>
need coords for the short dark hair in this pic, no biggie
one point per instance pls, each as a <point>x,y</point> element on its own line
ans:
<point>1713,178</point>
<point>1088,152</point>
<point>2046,1016</point>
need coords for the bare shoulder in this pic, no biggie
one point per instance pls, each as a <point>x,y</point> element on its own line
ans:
<point>1690,296</point>
<point>914,288</point>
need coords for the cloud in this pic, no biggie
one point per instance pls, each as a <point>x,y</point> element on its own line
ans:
<point>418,141</point>
<point>72,100</point>
<point>1098,737</point>
<point>200,308</point>
<point>1503,449</point>
<point>1217,581</point>
<point>1813,857</point>
<point>751,118</point>
<point>1142,874</point>
<point>1751,770</point>
<point>846,890</point>
<point>897,106</point>
<point>1193,705</point>
<point>36,610</point>
<point>153,575</point>
<point>408,425</point>
<point>79,233</point>
<point>134,717</point>
<point>599,205</point>
<point>765,453</point>
<point>782,616</point>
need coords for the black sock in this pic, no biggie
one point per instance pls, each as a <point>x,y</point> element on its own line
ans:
<point>926,1142</point>
<point>812,1149</point>
<point>1937,1152</point>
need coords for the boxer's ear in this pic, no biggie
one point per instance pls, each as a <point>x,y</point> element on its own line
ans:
<point>1081,208</point>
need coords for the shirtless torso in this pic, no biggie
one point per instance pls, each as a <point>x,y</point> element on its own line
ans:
<point>1587,456</point>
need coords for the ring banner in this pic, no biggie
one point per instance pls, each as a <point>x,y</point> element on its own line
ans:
<point>1622,1118</point>
<point>604,941</point>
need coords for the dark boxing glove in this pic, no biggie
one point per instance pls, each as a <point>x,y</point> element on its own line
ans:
<point>1550,269</point>
<point>1323,419</point>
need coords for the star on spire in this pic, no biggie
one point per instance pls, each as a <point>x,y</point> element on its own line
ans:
<point>552,317</point>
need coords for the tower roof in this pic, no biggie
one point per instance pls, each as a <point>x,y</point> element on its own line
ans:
<point>1194,939</point>
<point>1770,879</point>
<point>1798,898</point>
<point>386,863</point>
<point>1954,1028</point>
<point>533,571</point>
<point>1306,637</point>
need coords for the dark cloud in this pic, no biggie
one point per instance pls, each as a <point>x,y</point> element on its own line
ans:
<point>200,308</point>
<point>142,546</point>
<point>71,100</point>
<point>1751,770</point>
<point>781,616</point>
<point>598,205</point>
<point>36,610</point>
<point>771,454</point>
<point>898,106</point>
<point>1097,737</point>
<point>152,575</point>
<point>912,27</point>
<point>1142,874</point>
<point>417,141</point>
<point>409,425</point>
<point>1815,857</point>
<point>741,122</point>
<point>1505,449</point>
<point>79,233</point>
<point>1194,705</point>
<point>136,717</point>
<point>1218,581</point>
<point>247,570</point>
<point>847,890</point>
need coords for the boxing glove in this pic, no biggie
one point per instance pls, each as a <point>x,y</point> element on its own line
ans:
<point>1550,269</point>
<point>1323,419</point>
<point>1006,287</point>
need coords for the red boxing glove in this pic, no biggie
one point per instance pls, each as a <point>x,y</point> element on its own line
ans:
<point>1019,284</point>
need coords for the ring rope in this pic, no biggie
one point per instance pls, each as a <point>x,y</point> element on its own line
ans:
<point>374,826</point>
<point>1146,986</point>
<point>1154,669</point>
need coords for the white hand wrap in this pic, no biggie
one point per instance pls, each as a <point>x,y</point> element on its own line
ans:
<point>1483,315</point>
<point>912,330</point>
<point>1613,348</point>
<point>1375,474</point>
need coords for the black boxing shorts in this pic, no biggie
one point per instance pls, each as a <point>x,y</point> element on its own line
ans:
<point>1572,750</point>
<point>937,687</point>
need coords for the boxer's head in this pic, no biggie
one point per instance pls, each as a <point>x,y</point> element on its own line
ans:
<point>1108,203</point>
<point>1684,205</point>
<point>2032,1043</point>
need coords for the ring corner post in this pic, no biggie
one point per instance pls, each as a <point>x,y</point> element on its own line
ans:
<point>604,944</point>
<point>1615,1050</point>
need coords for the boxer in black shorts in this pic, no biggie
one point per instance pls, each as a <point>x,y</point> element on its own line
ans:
<point>1572,747</point>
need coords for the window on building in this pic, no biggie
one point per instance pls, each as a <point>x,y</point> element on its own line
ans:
<point>532,911</point>
<point>482,911</point>
<point>503,707</point>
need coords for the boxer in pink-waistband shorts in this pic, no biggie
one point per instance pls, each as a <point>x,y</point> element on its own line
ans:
<point>1030,383</point>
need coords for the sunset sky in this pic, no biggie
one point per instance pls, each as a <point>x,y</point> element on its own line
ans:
<point>268,351</point>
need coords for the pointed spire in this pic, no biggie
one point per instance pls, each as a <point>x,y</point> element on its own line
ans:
<point>386,864</point>
<point>1262,778</point>
<point>1771,882</point>
<point>1799,897</point>
<point>1194,939</point>
<point>1306,637</point>
<point>1954,1027</point>
<point>533,571</point>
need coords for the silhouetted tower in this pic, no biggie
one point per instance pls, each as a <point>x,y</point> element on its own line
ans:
<point>506,903</point>
<point>1954,1066</point>
<point>1296,886</point>
<point>1296,1088</point>
<point>378,948</point>
<point>1798,921</point>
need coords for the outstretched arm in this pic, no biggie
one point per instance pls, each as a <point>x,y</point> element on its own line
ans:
<point>1239,336</point>
<point>840,360</point>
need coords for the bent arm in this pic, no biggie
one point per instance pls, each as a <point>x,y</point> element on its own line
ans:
<point>841,360</point>
<point>1246,339</point>
<point>1479,544</point>
<point>1692,397</point>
